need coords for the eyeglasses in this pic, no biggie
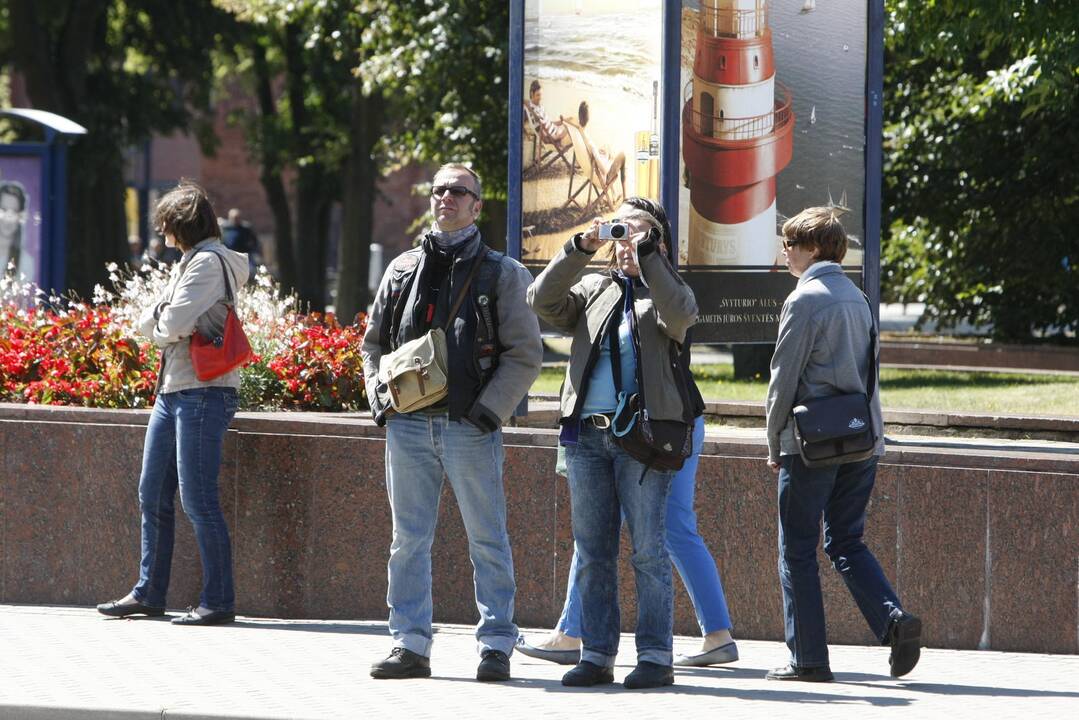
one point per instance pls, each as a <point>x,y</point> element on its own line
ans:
<point>788,244</point>
<point>457,191</point>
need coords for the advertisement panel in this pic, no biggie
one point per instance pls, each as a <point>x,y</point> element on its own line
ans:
<point>21,215</point>
<point>773,121</point>
<point>590,121</point>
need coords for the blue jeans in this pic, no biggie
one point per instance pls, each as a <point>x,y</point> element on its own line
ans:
<point>183,448</point>
<point>605,484</point>
<point>419,449</point>
<point>687,550</point>
<point>840,493</point>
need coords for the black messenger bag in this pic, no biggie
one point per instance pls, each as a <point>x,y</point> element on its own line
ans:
<point>659,444</point>
<point>838,429</point>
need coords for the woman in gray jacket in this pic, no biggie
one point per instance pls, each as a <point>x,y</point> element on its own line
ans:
<point>642,305</point>
<point>190,416</point>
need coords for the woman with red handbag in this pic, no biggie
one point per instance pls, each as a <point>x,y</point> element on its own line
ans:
<point>195,327</point>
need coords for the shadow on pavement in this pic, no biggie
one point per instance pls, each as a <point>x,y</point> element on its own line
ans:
<point>313,627</point>
<point>975,690</point>
<point>780,694</point>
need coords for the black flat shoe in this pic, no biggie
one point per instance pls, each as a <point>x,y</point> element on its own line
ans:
<point>217,617</point>
<point>809,674</point>
<point>587,674</point>
<point>494,667</point>
<point>119,608</point>
<point>400,664</point>
<point>904,635</point>
<point>649,675</point>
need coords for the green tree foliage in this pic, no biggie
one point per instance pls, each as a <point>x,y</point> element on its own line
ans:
<point>348,88</point>
<point>313,133</point>
<point>124,69</point>
<point>981,180</point>
<point>444,67</point>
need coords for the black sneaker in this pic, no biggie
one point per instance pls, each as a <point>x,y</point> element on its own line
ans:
<point>587,674</point>
<point>649,675</point>
<point>494,666</point>
<point>802,674</point>
<point>904,635</point>
<point>402,663</point>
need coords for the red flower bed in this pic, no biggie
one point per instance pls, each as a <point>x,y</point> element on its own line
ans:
<point>320,365</point>
<point>74,358</point>
<point>80,358</point>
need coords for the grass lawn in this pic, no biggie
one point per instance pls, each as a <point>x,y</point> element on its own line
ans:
<point>945,391</point>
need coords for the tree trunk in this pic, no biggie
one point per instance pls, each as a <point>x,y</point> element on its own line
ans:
<point>492,224</point>
<point>270,175</point>
<point>312,198</point>
<point>55,65</point>
<point>309,240</point>
<point>358,193</point>
<point>96,224</point>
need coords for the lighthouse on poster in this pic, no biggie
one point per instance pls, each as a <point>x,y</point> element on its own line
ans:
<point>737,128</point>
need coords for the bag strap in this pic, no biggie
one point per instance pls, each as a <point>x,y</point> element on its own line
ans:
<point>480,255</point>
<point>224,273</point>
<point>616,359</point>
<point>871,380</point>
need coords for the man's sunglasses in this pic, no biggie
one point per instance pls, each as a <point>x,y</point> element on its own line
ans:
<point>456,190</point>
<point>788,244</point>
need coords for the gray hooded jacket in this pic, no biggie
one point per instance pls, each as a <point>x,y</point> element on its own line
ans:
<point>193,300</point>
<point>822,349</point>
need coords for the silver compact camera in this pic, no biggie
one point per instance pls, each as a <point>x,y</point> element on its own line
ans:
<point>613,231</point>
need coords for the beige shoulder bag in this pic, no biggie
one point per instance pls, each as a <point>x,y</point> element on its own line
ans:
<point>417,373</point>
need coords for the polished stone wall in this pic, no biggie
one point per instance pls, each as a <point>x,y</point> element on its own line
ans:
<point>982,542</point>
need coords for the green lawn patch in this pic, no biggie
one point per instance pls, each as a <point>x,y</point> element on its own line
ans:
<point>938,390</point>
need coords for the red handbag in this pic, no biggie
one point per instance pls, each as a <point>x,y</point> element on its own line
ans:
<point>213,357</point>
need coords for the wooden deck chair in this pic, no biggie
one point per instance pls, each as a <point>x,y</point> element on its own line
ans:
<point>598,185</point>
<point>546,151</point>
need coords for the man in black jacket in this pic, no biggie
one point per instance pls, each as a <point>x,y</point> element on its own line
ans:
<point>494,353</point>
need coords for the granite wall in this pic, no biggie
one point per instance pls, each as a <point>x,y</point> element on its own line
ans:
<point>983,543</point>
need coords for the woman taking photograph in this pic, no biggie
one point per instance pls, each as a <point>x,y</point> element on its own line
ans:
<point>190,416</point>
<point>642,309</point>
<point>690,556</point>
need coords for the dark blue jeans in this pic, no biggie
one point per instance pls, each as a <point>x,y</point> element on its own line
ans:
<point>183,449</point>
<point>605,484</point>
<point>840,493</point>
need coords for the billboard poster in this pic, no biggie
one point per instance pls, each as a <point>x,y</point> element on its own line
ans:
<point>773,121</point>
<point>590,122</point>
<point>20,215</point>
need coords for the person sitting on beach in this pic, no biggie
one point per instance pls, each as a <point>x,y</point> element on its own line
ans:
<point>554,129</point>
<point>607,164</point>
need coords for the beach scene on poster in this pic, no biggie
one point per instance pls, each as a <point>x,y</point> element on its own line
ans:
<point>20,215</point>
<point>591,133</point>
<point>773,115</point>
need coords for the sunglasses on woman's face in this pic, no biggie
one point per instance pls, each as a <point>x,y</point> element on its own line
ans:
<point>456,190</point>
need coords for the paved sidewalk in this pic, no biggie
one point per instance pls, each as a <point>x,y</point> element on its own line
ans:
<point>68,663</point>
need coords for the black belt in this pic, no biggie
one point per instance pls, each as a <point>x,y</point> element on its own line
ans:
<point>600,420</point>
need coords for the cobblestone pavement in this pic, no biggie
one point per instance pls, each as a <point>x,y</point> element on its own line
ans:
<point>67,663</point>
